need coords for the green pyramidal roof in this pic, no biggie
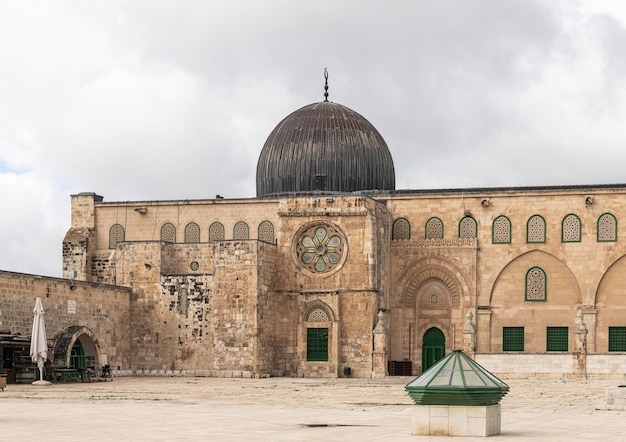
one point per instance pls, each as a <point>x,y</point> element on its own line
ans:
<point>456,380</point>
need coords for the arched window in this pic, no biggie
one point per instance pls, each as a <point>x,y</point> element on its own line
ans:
<point>216,232</point>
<point>168,232</point>
<point>468,228</point>
<point>501,230</point>
<point>607,228</point>
<point>192,233</point>
<point>434,228</point>
<point>241,231</point>
<point>536,229</point>
<point>318,315</point>
<point>571,228</point>
<point>401,229</point>
<point>266,232</point>
<point>116,234</point>
<point>536,283</point>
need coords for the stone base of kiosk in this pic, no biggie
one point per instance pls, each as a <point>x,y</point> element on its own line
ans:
<point>455,420</point>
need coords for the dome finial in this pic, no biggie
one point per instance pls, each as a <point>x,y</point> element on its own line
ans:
<point>326,85</point>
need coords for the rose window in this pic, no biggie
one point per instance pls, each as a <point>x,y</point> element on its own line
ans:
<point>320,249</point>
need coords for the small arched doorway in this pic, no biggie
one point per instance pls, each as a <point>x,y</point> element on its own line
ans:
<point>76,347</point>
<point>433,347</point>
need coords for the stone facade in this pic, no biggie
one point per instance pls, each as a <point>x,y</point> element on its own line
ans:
<point>528,281</point>
<point>97,315</point>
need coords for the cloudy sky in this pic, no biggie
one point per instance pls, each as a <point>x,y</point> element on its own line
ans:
<point>164,99</point>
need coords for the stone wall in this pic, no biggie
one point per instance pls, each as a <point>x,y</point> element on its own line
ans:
<point>104,310</point>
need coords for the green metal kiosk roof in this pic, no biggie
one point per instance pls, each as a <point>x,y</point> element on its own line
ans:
<point>456,380</point>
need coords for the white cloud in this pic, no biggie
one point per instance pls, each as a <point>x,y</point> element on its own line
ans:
<point>168,100</point>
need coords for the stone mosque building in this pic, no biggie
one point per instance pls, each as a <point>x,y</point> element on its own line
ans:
<point>330,271</point>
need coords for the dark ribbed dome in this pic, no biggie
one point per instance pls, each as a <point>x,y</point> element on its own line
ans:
<point>324,147</point>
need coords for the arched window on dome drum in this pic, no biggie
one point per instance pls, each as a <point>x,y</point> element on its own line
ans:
<point>536,229</point>
<point>116,234</point>
<point>571,228</point>
<point>192,233</point>
<point>266,232</point>
<point>607,228</point>
<point>168,232</point>
<point>434,228</point>
<point>401,229</point>
<point>536,283</point>
<point>501,230</point>
<point>241,231</point>
<point>216,232</point>
<point>468,228</point>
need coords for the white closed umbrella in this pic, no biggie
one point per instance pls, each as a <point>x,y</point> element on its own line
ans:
<point>38,341</point>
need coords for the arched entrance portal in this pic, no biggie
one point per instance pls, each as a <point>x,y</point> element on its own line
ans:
<point>76,347</point>
<point>433,347</point>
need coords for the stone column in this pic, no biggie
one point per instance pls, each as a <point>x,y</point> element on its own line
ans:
<point>469,335</point>
<point>580,345</point>
<point>379,356</point>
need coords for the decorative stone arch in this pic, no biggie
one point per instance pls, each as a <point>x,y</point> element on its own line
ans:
<point>492,283</point>
<point>310,307</point>
<point>429,274</point>
<point>65,342</point>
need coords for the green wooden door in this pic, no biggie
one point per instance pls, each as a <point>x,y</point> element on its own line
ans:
<point>77,357</point>
<point>433,347</point>
<point>317,344</point>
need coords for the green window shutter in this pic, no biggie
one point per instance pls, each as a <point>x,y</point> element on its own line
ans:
<point>557,339</point>
<point>512,338</point>
<point>317,344</point>
<point>617,338</point>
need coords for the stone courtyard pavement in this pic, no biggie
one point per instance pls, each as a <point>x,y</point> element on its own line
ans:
<point>286,409</point>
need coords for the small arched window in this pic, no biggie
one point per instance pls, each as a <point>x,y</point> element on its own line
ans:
<point>536,229</point>
<point>266,232</point>
<point>168,232</point>
<point>607,228</point>
<point>571,228</point>
<point>116,234</point>
<point>536,283</point>
<point>434,228</point>
<point>401,229</point>
<point>216,232</point>
<point>468,228</point>
<point>501,230</point>
<point>192,233</point>
<point>241,231</point>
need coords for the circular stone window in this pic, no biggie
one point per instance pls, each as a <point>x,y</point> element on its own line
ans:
<point>194,265</point>
<point>320,248</point>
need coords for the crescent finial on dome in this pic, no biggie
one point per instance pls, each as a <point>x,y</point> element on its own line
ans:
<point>326,84</point>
